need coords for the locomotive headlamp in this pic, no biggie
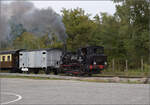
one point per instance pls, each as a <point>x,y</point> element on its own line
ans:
<point>94,63</point>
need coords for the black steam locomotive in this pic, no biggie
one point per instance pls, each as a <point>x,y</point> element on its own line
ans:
<point>87,60</point>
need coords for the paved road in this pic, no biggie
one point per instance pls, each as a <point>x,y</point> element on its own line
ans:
<point>71,92</point>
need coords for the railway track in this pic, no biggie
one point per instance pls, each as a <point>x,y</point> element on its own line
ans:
<point>115,79</point>
<point>51,75</point>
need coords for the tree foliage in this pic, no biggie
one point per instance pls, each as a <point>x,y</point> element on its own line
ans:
<point>30,41</point>
<point>26,41</point>
<point>79,28</point>
<point>134,15</point>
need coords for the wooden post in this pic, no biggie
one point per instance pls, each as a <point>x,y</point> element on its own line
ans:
<point>142,64</point>
<point>126,65</point>
<point>113,65</point>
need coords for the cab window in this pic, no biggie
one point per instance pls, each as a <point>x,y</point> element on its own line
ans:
<point>84,51</point>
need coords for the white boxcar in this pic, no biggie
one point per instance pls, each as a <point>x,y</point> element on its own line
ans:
<point>46,59</point>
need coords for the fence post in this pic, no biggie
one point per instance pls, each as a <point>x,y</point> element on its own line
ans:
<point>126,65</point>
<point>118,65</point>
<point>142,64</point>
<point>113,65</point>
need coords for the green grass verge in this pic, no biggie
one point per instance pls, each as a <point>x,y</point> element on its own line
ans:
<point>129,73</point>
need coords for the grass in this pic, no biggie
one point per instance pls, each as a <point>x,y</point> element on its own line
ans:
<point>129,73</point>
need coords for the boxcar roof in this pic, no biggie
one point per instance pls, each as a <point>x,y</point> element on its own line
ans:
<point>46,49</point>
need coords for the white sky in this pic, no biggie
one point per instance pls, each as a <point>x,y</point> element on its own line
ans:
<point>92,7</point>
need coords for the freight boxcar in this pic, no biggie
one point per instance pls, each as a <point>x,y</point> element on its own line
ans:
<point>45,59</point>
<point>9,60</point>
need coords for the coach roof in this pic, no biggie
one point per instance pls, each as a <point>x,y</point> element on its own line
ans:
<point>10,51</point>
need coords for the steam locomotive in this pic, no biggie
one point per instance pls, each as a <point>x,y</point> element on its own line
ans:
<point>87,60</point>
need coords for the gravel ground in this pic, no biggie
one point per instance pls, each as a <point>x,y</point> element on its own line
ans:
<point>72,92</point>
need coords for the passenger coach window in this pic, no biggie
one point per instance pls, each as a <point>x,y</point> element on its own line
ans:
<point>3,58</point>
<point>8,58</point>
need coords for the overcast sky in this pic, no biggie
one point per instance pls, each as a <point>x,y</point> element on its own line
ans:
<point>92,7</point>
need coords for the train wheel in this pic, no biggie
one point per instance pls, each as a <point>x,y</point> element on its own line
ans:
<point>20,71</point>
<point>13,70</point>
<point>47,71</point>
<point>55,72</point>
<point>89,74</point>
<point>36,71</point>
<point>100,72</point>
<point>74,74</point>
<point>81,74</point>
<point>29,71</point>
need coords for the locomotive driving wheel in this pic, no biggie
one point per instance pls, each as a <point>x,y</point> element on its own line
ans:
<point>29,71</point>
<point>13,70</point>
<point>55,71</point>
<point>36,71</point>
<point>47,71</point>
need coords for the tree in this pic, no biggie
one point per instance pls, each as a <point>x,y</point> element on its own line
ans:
<point>78,28</point>
<point>134,15</point>
<point>26,41</point>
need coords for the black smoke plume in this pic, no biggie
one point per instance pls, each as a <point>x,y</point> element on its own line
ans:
<point>20,15</point>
